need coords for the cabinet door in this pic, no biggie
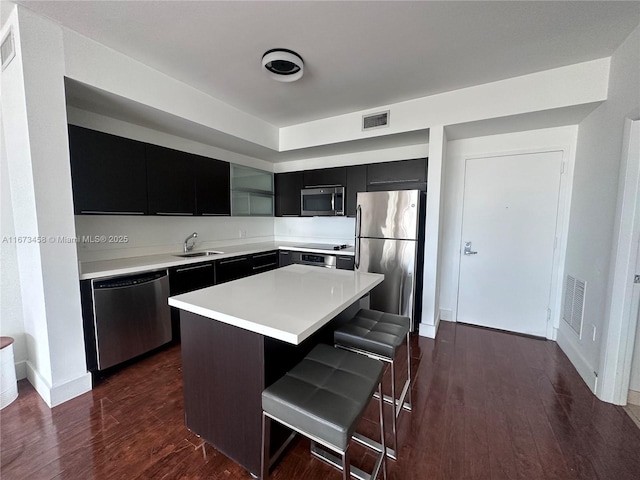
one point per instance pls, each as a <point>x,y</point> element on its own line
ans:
<point>345,262</point>
<point>232,269</point>
<point>213,196</point>
<point>400,175</point>
<point>108,173</point>
<point>356,182</point>
<point>171,181</point>
<point>325,176</point>
<point>191,277</point>
<point>263,262</point>
<point>284,258</point>
<point>288,186</point>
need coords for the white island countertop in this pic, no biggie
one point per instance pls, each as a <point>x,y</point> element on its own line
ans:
<point>289,303</point>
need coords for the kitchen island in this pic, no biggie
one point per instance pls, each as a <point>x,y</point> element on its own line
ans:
<point>239,337</point>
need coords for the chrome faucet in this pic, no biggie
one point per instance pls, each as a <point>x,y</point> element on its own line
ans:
<point>187,247</point>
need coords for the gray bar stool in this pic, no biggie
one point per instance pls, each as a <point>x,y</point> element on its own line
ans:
<point>323,398</point>
<point>378,335</point>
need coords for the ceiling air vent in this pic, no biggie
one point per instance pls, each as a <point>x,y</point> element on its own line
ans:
<point>573,309</point>
<point>377,120</point>
<point>7,49</point>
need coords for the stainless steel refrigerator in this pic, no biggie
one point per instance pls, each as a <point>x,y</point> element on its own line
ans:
<point>390,240</point>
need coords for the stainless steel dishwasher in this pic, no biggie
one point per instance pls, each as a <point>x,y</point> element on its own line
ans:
<point>131,316</point>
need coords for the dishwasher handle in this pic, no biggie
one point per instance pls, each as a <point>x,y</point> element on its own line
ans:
<point>124,281</point>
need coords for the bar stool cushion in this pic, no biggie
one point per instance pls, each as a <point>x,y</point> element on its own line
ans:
<point>325,394</point>
<point>374,331</point>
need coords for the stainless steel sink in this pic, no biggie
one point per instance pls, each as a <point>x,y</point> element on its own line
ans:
<point>198,254</point>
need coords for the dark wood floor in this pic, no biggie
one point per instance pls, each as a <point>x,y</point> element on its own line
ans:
<point>487,405</point>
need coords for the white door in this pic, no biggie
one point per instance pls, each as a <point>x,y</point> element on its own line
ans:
<point>509,220</point>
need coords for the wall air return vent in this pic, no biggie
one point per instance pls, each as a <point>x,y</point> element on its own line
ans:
<point>7,49</point>
<point>573,309</point>
<point>376,120</point>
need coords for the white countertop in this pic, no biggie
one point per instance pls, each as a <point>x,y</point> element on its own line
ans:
<point>124,266</point>
<point>289,303</point>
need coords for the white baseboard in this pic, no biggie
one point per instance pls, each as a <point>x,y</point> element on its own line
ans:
<point>54,396</point>
<point>427,330</point>
<point>585,370</point>
<point>446,314</point>
<point>21,370</point>
<point>634,397</point>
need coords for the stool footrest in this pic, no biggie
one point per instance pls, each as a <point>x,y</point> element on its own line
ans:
<point>336,462</point>
<point>400,401</point>
<point>373,445</point>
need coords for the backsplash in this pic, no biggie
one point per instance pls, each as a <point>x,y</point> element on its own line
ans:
<point>105,237</point>
<point>315,229</point>
<point>116,236</point>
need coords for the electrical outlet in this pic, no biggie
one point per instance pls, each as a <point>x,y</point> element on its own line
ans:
<point>242,233</point>
<point>594,332</point>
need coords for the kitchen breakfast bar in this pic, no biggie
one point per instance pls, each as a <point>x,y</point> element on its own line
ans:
<point>240,337</point>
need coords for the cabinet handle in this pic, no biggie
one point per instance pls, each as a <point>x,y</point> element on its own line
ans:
<point>380,182</point>
<point>185,269</point>
<point>265,266</point>
<point>320,186</point>
<point>345,258</point>
<point>233,260</point>
<point>283,253</point>
<point>265,254</point>
<point>174,213</point>
<point>101,212</point>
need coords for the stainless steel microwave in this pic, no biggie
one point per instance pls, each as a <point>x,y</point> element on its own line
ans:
<point>322,201</point>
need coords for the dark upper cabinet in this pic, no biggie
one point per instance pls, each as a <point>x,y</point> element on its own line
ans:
<point>288,186</point>
<point>325,176</point>
<point>356,182</point>
<point>399,175</point>
<point>212,179</point>
<point>108,173</point>
<point>171,181</point>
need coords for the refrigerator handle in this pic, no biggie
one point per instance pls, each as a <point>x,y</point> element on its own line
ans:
<point>358,220</point>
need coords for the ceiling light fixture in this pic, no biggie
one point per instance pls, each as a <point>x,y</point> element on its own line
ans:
<point>283,65</point>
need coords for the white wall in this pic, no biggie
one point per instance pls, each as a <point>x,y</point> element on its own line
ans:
<point>561,138</point>
<point>593,204</point>
<point>315,230</point>
<point>11,321</point>
<point>634,384</point>
<point>34,123</point>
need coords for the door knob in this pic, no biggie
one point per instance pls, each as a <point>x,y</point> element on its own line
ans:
<point>467,249</point>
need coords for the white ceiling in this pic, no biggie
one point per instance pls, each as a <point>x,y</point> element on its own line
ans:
<point>358,55</point>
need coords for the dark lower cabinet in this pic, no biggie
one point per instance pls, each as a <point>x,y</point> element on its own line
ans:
<point>108,173</point>
<point>356,182</point>
<point>284,258</point>
<point>233,268</point>
<point>287,191</point>
<point>171,181</point>
<point>187,278</point>
<point>345,262</point>
<point>263,262</point>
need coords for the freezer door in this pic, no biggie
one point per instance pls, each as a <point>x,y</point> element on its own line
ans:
<point>397,260</point>
<point>388,214</point>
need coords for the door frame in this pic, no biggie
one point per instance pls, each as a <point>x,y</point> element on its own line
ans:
<point>562,227</point>
<point>619,341</point>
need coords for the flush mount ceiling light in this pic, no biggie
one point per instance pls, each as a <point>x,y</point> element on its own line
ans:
<point>283,65</point>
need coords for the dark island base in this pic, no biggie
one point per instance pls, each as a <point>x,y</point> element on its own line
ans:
<point>225,369</point>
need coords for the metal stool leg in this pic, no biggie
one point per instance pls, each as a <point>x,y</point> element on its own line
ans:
<point>394,408</point>
<point>409,371</point>
<point>266,436</point>
<point>346,465</point>
<point>382,439</point>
